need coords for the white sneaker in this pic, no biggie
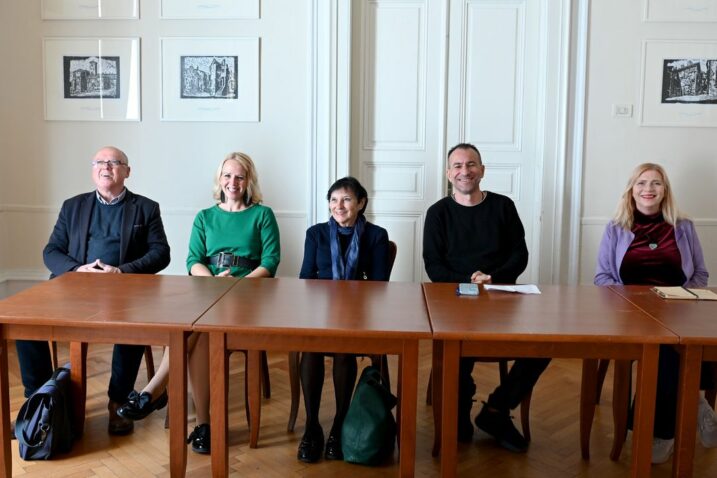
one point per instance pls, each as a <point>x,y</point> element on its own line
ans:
<point>661,450</point>
<point>707,424</point>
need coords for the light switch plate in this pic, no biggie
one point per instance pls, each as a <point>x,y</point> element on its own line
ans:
<point>622,111</point>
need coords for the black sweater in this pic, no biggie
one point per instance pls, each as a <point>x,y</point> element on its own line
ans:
<point>459,240</point>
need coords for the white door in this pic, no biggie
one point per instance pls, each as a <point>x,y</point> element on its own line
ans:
<point>421,84</point>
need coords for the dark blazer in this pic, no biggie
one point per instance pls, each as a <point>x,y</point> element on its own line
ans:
<point>372,260</point>
<point>143,244</point>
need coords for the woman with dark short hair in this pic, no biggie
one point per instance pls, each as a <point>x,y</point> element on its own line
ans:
<point>347,247</point>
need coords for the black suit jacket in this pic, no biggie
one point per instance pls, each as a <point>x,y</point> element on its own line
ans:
<point>143,244</point>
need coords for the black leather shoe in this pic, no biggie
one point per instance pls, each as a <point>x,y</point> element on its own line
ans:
<point>333,448</point>
<point>201,439</point>
<point>118,425</point>
<point>139,405</point>
<point>500,426</point>
<point>311,447</point>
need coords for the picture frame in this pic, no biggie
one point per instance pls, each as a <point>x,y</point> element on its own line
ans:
<point>679,83</point>
<point>92,79</point>
<point>210,79</point>
<point>89,9</point>
<point>699,11</point>
<point>209,9</point>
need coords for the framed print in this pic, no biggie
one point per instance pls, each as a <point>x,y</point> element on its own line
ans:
<point>680,11</point>
<point>92,79</point>
<point>89,9</point>
<point>679,83</point>
<point>190,9</point>
<point>210,79</point>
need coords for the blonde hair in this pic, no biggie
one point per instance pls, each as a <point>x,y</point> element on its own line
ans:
<point>253,192</point>
<point>625,214</point>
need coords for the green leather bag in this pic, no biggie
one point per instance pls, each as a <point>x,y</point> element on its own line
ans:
<point>368,435</point>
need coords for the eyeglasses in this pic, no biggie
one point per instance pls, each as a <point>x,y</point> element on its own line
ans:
<point>112,162</point>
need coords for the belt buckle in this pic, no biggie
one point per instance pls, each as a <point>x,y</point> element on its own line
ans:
<point>225,259</point>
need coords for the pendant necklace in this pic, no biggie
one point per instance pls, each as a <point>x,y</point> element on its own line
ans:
<point>651,244</point>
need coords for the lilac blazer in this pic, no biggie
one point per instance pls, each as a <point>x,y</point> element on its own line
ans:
<point>616,240</point>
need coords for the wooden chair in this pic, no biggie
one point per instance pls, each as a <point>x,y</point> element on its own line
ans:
<point>592,381</point>
<point>380,361</point>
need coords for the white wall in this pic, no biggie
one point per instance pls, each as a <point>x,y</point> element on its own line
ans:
<point>614,146</point>
<point>44,162</point>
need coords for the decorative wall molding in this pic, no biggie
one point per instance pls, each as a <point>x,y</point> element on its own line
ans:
<point>398,76</point>
<point>393,180</point>
<point>471,9</point>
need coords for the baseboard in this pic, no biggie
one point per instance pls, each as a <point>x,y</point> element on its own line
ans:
<point>23,274</point>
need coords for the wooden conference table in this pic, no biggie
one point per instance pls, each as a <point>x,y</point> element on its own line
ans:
<point>564,321</point>
<point>695,322</point>
<point>109,308</point>
<point>286,314</point>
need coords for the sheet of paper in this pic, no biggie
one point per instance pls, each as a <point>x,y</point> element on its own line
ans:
<point>520,288</point>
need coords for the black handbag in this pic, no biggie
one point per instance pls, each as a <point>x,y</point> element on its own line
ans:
<point>44,427</point>
<point>368,435</point>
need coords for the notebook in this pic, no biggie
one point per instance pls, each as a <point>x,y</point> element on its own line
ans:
<point>684,293</point>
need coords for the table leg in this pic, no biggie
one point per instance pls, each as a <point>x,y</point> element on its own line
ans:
<point>621,394</point>
<point>399,381</point>
<point>588,391</point>
<point>687,399</point>
<point>449,407</point>
<point>78,380</point>
<point>178,400</point>
<point>218,379</point>
<point>436,393</point>
<point>6,458</point>
<point>253,377</point>
<point>408,392</point>
<point>644,411</point>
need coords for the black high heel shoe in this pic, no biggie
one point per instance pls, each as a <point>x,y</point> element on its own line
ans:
<point>201,439</point>
<point>139,405</point>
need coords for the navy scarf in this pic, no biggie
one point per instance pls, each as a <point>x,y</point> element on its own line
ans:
<point>343,267</point>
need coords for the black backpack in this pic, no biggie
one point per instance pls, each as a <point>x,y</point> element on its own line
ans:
<point>44,427</point>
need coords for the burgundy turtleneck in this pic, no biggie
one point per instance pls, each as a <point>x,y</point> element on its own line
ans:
<point>653,257</point>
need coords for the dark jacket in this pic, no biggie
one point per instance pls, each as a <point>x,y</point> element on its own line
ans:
<point>143,244</point>
<point>372,260</point>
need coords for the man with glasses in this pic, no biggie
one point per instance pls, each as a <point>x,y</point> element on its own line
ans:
<point>107,231</point>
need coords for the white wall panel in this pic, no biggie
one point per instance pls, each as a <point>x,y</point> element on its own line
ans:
<point>393,180</point>
<point>394,78</point>
<point>503,179</point>
<point>405,230</point>
<point>493,85</point>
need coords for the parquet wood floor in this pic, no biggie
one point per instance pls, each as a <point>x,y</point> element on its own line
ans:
<point>554,452</point>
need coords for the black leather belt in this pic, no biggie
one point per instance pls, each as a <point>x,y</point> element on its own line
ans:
<point>227,259</point>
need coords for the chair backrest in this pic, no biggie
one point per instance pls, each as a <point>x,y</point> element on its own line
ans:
<point>392,251</point>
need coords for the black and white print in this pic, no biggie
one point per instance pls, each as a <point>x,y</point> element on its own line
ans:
<point>208,77</point>
<point>692,81</point>
<point>91,77</point>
